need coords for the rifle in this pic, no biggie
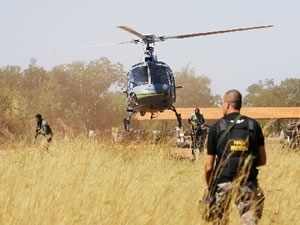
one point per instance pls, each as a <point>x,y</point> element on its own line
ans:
<point>208,201</point>
<point>36,135</point>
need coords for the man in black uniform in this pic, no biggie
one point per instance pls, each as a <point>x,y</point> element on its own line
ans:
<point>235,149</point>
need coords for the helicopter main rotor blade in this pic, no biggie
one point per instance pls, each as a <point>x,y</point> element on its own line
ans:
<point>134,41</point>
<point>212,32</point>
<point>132,31</point>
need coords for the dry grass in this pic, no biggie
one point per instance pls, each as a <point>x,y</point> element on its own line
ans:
<point>83,181</point>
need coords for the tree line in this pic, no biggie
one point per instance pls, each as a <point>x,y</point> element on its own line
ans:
<point>80,96</point>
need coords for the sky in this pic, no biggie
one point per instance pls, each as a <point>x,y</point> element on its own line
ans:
<point>58,32</point>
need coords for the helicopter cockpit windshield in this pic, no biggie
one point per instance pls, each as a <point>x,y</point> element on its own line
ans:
<point>138,76</point>
<point>160,74</point>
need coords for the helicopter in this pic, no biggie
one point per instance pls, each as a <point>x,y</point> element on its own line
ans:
<point>151,86</point>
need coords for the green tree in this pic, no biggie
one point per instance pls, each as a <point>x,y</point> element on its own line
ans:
<point>85,89</point>
<point>196,89</point>
<point>32,90</point>
<point>12,100</point>
<point>289,90</point>
<point>266,93</point>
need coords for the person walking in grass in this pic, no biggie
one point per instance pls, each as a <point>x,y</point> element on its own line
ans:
<point>196,120</point>
<point>235,150</point>
<point>43,128</point>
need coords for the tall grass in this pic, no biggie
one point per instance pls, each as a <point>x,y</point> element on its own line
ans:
<point>83,181</point>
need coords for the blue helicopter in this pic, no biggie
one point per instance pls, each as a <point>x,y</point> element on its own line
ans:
<point>151,86</point>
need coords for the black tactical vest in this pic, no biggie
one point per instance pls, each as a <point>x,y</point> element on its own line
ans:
<point>234,149</point>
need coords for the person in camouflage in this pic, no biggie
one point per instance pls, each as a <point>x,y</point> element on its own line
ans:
<point>235,150</point>
<point>196,121</point>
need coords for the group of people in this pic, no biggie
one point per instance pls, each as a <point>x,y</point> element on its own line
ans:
<point>235,150</point>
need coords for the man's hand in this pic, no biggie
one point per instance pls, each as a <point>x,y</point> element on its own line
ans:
<point>206,191</point>
<point>35,136</point>
<point>193,123</point>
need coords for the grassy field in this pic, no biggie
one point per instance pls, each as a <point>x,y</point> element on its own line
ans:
<point>84,181</point>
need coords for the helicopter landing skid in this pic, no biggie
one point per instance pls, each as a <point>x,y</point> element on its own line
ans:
<point>178,116</point>
<point>127,120</point>
<point>126,124</point>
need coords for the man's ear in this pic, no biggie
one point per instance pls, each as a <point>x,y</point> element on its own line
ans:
<point>227,105</point>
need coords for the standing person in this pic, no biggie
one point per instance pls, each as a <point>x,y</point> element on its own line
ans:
<point>235,149</point>
<point>281,137</point>
<point>42,127</point>
<point>196,121</point>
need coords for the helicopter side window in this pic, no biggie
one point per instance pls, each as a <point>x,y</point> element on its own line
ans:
<point>138,76</point>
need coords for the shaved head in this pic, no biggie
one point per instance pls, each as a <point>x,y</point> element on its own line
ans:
<point>234,98</point>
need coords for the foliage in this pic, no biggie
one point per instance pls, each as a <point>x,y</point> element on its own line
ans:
<point>289,90</point>
<point>196,90</point>
<point>266,93</point>
<point>74,97</point>
<point>80,96</point>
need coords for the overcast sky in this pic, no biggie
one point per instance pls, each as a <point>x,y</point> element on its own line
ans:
<point>62,31</point>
